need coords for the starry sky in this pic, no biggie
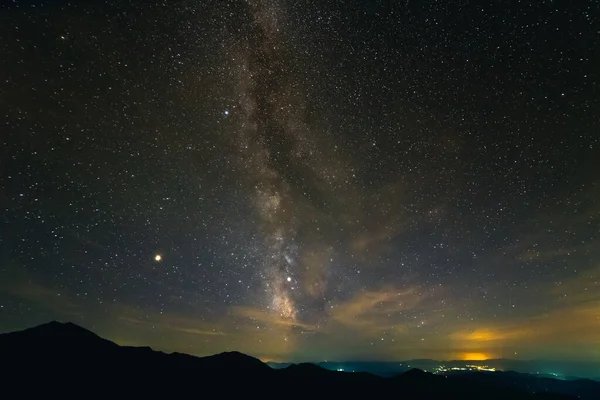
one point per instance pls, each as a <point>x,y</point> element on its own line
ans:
<point>305,180</point>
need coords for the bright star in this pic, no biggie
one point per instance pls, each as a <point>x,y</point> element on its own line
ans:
<point>158,258</point>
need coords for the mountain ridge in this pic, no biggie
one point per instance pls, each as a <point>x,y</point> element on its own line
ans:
<point>50,352</point>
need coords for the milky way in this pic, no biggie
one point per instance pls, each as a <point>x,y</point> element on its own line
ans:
<point>302,180</point>
<point>260,99</point>
<point>274,139</point>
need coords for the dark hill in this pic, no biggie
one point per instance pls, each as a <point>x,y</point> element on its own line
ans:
<point>54,339</point>
<point>581,388</point>
<point>65,360</point>
<point>54,331</point>
<point>233,360</point>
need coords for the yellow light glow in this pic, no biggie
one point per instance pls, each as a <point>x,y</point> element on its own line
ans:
<point>474,356</point>
<point>158,258</point>
<point>482,336</point>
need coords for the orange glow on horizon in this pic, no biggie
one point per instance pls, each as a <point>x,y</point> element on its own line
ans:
<point>474,357</point>
<point>482,336</point>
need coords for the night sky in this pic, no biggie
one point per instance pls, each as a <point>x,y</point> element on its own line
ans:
<point>305,180</point>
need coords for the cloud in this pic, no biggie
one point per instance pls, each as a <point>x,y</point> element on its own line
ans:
<point>491,335</point>
<point>390,322</point>
<point>257,333</point>
<point>529,250</point>
<point>567,328</point>
<point>583,288</point>
<point>45,297</point>
<point>375,241</point>
<point>571,321</point>
<point>172,323</point>
<point>373,311</point>
<point>270,319</point>
<point>315,260</point>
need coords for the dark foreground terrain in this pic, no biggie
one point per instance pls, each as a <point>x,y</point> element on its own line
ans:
<point>65,360</point>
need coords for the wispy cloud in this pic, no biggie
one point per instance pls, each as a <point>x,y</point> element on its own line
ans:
<point>45,297</point>
<point>173,324</point>
<point>387,309</point>
<point>571,319</point>
<point>270,319</point>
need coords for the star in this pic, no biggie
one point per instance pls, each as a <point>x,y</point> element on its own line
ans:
<point>306,173</point>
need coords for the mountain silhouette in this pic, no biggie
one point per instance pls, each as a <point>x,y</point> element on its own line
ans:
<point>581,388</point>
<point>64,359</point>
<point>54,339</point>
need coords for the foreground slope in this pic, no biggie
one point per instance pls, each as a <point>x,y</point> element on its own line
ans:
<point>68,360</point>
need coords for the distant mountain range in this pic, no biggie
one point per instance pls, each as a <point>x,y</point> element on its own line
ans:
<point>541,368</point>
<point>66,360</point>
